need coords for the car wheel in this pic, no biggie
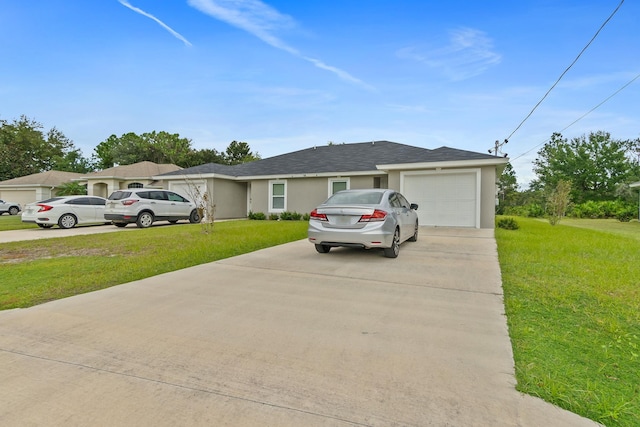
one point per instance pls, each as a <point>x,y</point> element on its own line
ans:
<point>120,224</point>
<point>394,250</point>
<point>145,219</point>
<point>45,225</point>
<point>195,218</point>
<point>13,210</point>
<point>67,221</point>
<point>323,249</point>
<point>414,238</point>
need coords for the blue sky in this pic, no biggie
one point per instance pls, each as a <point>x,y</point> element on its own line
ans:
<point>288,75</point>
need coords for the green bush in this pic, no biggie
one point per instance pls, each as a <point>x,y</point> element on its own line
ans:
<point>274,217</point>
<point>257,216</point>
<point>534,210</point>
<point>290,216</point>
<point>306,217</point>
<point>508,223</point>
<point>625,214</point>
<point>604,209</point>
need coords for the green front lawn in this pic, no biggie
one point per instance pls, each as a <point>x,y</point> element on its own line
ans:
<point>572,297</point>
<point>13,222</point>
<point>38,271</point>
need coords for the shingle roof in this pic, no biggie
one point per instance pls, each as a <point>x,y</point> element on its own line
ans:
<point>362,156</point>
<point>48,178</point>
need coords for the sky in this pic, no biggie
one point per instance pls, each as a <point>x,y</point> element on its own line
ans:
<point>286,75</point>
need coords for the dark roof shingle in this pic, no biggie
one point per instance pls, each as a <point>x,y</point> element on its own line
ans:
<point>357,157</point>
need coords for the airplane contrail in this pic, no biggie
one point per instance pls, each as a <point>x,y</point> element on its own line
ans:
<point>162,24</point>
<point>260,19</point>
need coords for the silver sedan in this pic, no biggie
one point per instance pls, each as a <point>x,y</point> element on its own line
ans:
<point>368,219</point>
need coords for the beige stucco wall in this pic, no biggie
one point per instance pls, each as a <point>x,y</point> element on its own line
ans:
<point>230,198</point>
<point>488,197</point>
<point>304,194</point>
<point>103,187</point>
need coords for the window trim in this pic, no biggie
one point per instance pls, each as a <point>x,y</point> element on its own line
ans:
<point>333,180</point>
<point>271,195</point>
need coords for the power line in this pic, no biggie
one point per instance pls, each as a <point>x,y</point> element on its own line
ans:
<point>584,115</point>
<point>561,75</point>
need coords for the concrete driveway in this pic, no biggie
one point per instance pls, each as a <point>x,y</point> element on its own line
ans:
<point>280,337</point>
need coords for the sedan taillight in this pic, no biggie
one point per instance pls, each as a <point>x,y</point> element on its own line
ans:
<point>317,216</point>
<point>44,208</point>
<point>128,202</point>
<point>377,215</point>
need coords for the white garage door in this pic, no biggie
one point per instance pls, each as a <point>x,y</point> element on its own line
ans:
<point>444,199</point>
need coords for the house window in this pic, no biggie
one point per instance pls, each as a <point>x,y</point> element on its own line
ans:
<point>277,196</point>
<point>376,182</point>
<point>135,185</point>
<point>338,184</point>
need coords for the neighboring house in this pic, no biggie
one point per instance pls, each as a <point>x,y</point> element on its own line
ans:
<point>136,175</point>
<point>454,188</point>
<point>35,187</point>
<point>637,185</point>
<point>41,186</point>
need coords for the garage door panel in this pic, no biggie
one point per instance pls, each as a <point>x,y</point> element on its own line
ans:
<point>445,200</point>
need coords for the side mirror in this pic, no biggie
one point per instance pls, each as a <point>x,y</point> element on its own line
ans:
<point>414,206</point>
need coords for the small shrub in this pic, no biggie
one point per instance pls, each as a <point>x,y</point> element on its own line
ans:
<point>274,217</point>
<point>508,223</point>
<point>290,216</point>
<point>306,217</point>
<point>258,216</point>
<point>604,209</point>
<point>534,210</point>
<point>625,214</point>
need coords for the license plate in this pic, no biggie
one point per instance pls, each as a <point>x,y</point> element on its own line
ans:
<point>343,220</point>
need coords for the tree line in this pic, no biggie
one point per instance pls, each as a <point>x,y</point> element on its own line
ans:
<point>592,171</point>
<point>27,148</point>
<point>586,176</point>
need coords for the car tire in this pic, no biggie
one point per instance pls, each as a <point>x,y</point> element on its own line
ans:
<point>195,218</point>
<point>67,221</point>
<point>394,250</point>
<point>13,210</point>
<point>414,238</point>
<point>323,249</point>
<point>120,224</point>
<point>145,219</point>
<point>45,225</point>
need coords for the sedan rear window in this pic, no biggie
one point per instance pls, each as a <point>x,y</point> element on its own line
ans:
<point>53,199</point>
<point>355,197</point>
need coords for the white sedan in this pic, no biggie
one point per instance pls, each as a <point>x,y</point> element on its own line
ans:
<point>66,211</point>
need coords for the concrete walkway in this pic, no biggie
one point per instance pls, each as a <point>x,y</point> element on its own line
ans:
<point>280,337</point>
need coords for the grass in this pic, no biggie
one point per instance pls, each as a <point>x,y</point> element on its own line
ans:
<point>13,222</point>
<point>50,269</point>
<point>572,298</point>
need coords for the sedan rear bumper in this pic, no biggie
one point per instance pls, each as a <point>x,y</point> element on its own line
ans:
<point>372,236</point>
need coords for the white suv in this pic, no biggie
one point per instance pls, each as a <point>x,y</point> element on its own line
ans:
<point>10,207</point>
<point>145,205</point>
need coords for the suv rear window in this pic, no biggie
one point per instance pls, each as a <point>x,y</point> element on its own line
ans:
<point>119,195</point>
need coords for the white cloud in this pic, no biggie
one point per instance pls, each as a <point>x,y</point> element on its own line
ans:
<point>468,53</point>
<point>261,20</point>
<point>162,24</point>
